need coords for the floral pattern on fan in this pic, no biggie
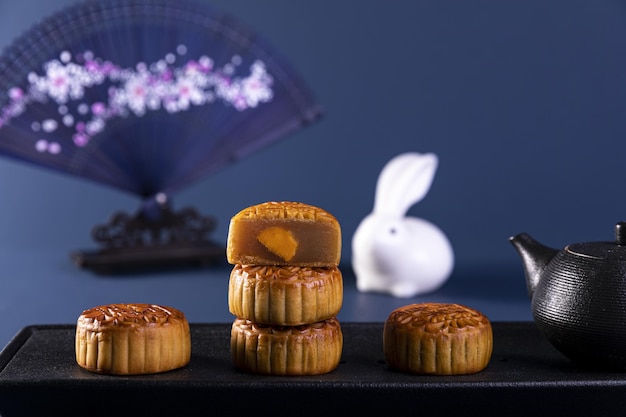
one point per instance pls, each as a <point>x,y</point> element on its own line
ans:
<point>160,85</point>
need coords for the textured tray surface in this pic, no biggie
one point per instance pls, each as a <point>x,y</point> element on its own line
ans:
<point>524,369</point>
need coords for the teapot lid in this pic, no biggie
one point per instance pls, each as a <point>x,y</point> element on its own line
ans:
<point>605,250</point>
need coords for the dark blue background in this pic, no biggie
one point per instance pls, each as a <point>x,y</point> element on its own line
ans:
<point>523,101</point>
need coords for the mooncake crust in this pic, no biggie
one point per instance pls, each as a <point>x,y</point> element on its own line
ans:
<point>290,210</point>
<point>437,339</point>
<point>310,349</point>
<point>284,233</point>
<point>285,295</point>
<point>129,339</point>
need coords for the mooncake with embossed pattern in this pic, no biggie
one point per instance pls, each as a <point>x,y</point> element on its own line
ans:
<point>437,339</point>
<point>284,233</point>
<point>285,295</point>
<point>310,349</point>
<point>131,339</point>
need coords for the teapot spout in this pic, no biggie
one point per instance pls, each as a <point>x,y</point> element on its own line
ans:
<point>535,256</point>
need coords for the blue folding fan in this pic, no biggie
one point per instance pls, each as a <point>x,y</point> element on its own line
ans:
<point>146,96</point>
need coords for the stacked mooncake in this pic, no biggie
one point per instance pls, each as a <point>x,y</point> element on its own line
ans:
<point>285,289</point>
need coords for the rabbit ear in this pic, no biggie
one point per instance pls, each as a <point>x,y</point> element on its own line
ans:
<point>404,181</point>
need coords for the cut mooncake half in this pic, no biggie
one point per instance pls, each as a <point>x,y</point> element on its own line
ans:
<point>437,339</point>
<point>285,295</point>
<point>130,339</point>
<point>284,233</point>
<point>311,349</point>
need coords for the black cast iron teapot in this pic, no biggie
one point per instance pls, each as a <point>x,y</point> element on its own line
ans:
<point>578,297</point>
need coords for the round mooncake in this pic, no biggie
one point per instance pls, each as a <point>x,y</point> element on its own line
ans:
<point>437,339</point>
<point>285,295</point>
<point>310,349</point>
<point>130,339</point>
<point>284,233</point>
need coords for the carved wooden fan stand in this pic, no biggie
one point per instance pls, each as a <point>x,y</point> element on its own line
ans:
<point>132,243</point>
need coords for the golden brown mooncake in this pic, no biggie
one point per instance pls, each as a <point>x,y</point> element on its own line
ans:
<point>310,349</point>
<point>437,339</point>
<point>284,233</point>
<point>285,295</point>
<point>131,339</point>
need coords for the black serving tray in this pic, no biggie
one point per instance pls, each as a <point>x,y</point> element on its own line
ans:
<point>526,376</point>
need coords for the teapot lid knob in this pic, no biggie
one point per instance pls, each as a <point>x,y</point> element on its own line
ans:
<point>620,233</point>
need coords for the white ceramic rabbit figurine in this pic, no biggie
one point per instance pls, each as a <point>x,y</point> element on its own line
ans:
<point>395,254</point>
